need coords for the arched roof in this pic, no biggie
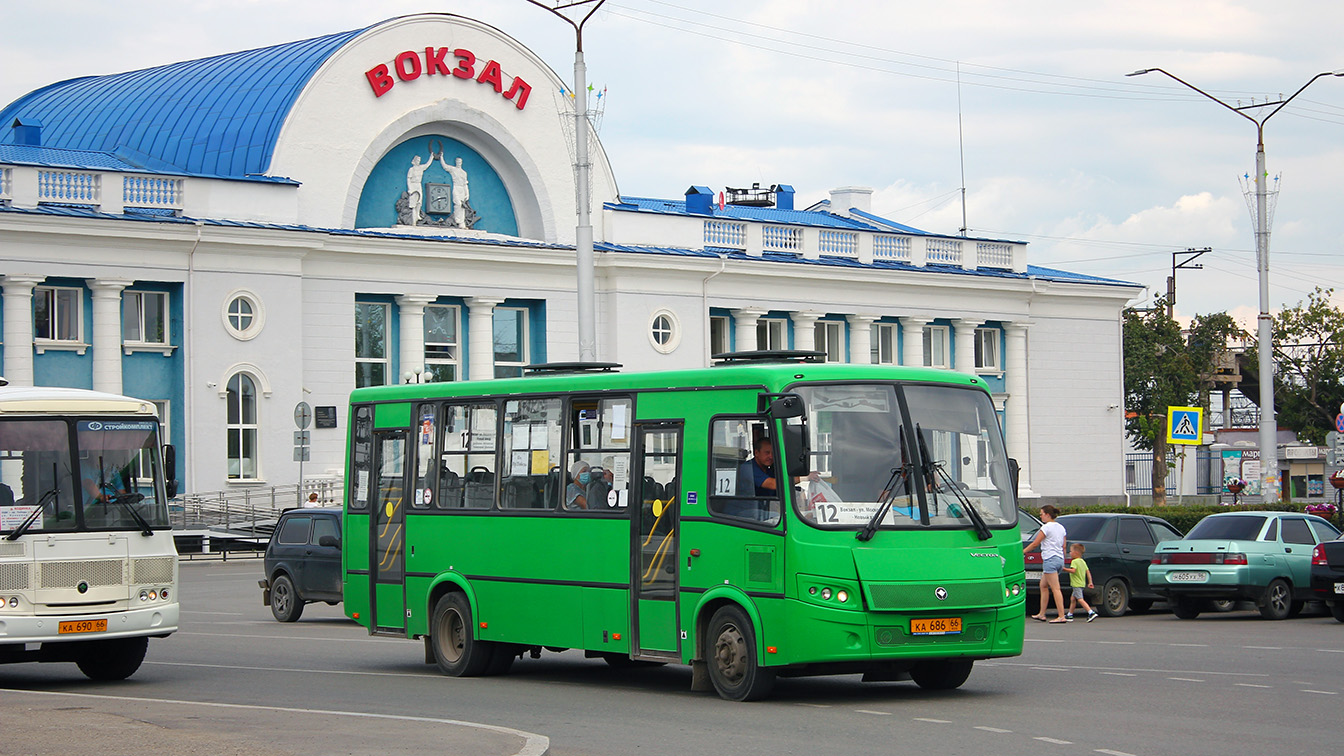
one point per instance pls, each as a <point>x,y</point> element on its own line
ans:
<point>217,116</point>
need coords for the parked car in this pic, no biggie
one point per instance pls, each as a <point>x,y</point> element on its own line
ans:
<point>1117,549</point>
<point>303,562</point>
<point>1327,575</point>
<point>1263,557</point>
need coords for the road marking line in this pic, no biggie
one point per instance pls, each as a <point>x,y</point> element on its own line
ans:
<point>935,721</point>
<point>999,730</point>
<point>1322,692</point>
<point>815,706</point>
<point>1109,752</point>
<point>1119,674</point>
<point>1188,645</point>
<point>1115,643</point>
<point>1331,650</point>
<point>1252,685</point>
<point>1185,679</point>
<point>286,669</point>
<point>870,711</point>
<point>1265,648</point>
<point>535,745</point>
<point>1050,669</point>
<point>1056,741</point>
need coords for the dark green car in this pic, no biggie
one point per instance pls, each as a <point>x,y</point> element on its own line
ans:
<point>1263,557</point>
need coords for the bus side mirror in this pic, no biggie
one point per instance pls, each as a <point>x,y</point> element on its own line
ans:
<point>796,453</point>
<point>170,470</point>
<point>781,406</point>
<point>1014,470</point>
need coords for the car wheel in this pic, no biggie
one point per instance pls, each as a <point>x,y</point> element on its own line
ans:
<point>1184,608</point>
<point>1139,606</point>
<point>457,653</point>
<point>1114,598</point>
<point>941,675</point>
<point>1337,609</point>
<point>1222,606</point>
<point>1277,601</point>
<point>731,655</point>
<point>285,603</point>
<point>115,659</point>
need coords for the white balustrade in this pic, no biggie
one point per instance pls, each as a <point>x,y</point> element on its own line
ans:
<point>782,239</point>
<point>839,243</point>
<point>6,183</point>
<point>152,192</point>
<point>67,186</point>
<point>730,234</point>
<point>943,251</point>
<point>889,247</point>
<point>993,255</point>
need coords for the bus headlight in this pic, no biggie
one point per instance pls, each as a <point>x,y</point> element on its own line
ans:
<point>163,594</point>
<point>842,596</point>
<point>826,594</point>
<point>144,595</point>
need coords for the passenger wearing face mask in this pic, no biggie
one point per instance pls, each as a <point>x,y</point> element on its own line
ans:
<point>576,493</point>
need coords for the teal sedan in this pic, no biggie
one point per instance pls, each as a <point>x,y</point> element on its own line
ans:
<point>1263,557</point>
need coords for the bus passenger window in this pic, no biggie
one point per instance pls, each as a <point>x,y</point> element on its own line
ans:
<point>598,473</point>
<point>531,450</point>
<point>744,483</point>
<point>423,495</point>
<point>467,457</point>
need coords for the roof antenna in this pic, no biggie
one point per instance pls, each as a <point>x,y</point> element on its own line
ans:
<point>961,151</point>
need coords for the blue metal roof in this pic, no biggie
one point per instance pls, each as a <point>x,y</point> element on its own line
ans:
<point>740,212</point>
<point>217,117</point>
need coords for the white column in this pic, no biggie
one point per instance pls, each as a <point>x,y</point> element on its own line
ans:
<point>411,308</point>
<point>861,338</point>
<point>963,334</point>
<point>107,333</point>
<point>1015,409</point>
<point>912,336</point>
<point>18,293</point>
<point>481,331</point>
<point>805,330</point>
<point>744,321</point>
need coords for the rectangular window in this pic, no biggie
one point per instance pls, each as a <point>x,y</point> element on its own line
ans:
<point>57,314</point>
<point>987,350</point>
<point>422,495</point>
<point>831,340</point>
<point>371,348</point>
<point>144,466</point>
<point>361,457</point>
<point>935,346</point>
<point>531,465</point>
<point>720,338</point>
<point>772,334</point>
<point>743,469</point>
<point>598,475</point>
<point>144,317</point>
<point>441,342</point>
<point>467,457</point>
<point>510,331</point>
<point>884,344</point>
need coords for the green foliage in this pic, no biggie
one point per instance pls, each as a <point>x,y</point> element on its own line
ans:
<point>1309,366</point>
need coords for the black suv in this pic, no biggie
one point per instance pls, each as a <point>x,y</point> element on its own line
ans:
<point>1117,549</point>
<point>303,562</point>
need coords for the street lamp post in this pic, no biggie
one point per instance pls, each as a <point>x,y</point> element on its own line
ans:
<point>583,231</point>
<point>1269,449</point>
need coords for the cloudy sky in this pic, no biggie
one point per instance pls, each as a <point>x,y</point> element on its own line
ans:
<point>1101,173</point>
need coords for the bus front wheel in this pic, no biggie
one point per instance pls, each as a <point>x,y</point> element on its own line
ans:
<point>115,659</point>
<point>941,675</point>
<point>456,651</point>
<point>732,658</point>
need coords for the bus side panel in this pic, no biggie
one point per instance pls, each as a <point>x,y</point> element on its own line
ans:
<point>355,552</point>
<point>551,580</point>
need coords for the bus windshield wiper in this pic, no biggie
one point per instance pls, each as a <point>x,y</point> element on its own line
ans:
<point>977,519</point>
<point>32,516</point>
<point>125,500</point>
<point>866,533</point>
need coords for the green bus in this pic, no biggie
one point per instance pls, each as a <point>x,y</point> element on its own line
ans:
<point>768,516</point>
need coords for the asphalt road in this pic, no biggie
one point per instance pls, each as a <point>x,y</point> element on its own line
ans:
<point>236,679</point>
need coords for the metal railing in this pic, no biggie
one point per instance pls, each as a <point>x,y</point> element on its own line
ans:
<point>241,518</point>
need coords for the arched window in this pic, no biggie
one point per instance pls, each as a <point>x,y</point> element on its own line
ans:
<point>242,427</point>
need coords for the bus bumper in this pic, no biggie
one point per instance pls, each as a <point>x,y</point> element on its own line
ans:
<point>152,621</point>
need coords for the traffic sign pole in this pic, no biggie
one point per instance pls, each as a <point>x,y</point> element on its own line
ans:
<point>303,417</point>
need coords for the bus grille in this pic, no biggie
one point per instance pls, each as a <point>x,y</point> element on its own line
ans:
<point>155,570</point>
<point>14,577</point>
<point>69,574</point>
<point>923,596</point>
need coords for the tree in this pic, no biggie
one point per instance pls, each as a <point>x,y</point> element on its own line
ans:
<point>1166,367</point>
<point>1309,365</point>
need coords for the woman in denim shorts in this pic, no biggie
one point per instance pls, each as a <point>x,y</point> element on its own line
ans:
<point>1050,539</point>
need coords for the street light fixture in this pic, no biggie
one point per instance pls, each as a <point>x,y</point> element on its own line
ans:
<point>1269,449</point>
<point>583,232</point>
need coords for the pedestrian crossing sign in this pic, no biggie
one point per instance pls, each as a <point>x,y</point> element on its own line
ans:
<point>1185,425</point>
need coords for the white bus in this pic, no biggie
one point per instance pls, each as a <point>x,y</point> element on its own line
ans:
<point>88,568</point>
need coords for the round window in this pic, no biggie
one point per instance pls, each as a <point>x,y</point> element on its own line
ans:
<point>664,331</point>
<point>243,315</point>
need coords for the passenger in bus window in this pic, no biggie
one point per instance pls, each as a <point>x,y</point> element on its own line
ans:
<point>576,495</point>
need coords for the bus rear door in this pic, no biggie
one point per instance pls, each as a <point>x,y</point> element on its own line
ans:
<point>654,529</point>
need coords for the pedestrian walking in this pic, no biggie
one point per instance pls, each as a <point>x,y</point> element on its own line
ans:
<point>1050,540</point>
<point>1079,576</point>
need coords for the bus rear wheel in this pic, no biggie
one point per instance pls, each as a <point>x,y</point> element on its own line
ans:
<point>732,658</point>
<point>941,675</point>
<point>115,659</point>
<point>456,651</point>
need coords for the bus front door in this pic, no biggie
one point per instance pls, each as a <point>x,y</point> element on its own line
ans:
<point>654,528</point>
<point>388,539</point>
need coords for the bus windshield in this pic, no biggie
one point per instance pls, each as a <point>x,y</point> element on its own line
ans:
<point>108,480</point>
<point>861,442</point>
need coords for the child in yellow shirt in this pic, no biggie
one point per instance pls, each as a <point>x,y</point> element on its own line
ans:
<point>1079,576</point>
